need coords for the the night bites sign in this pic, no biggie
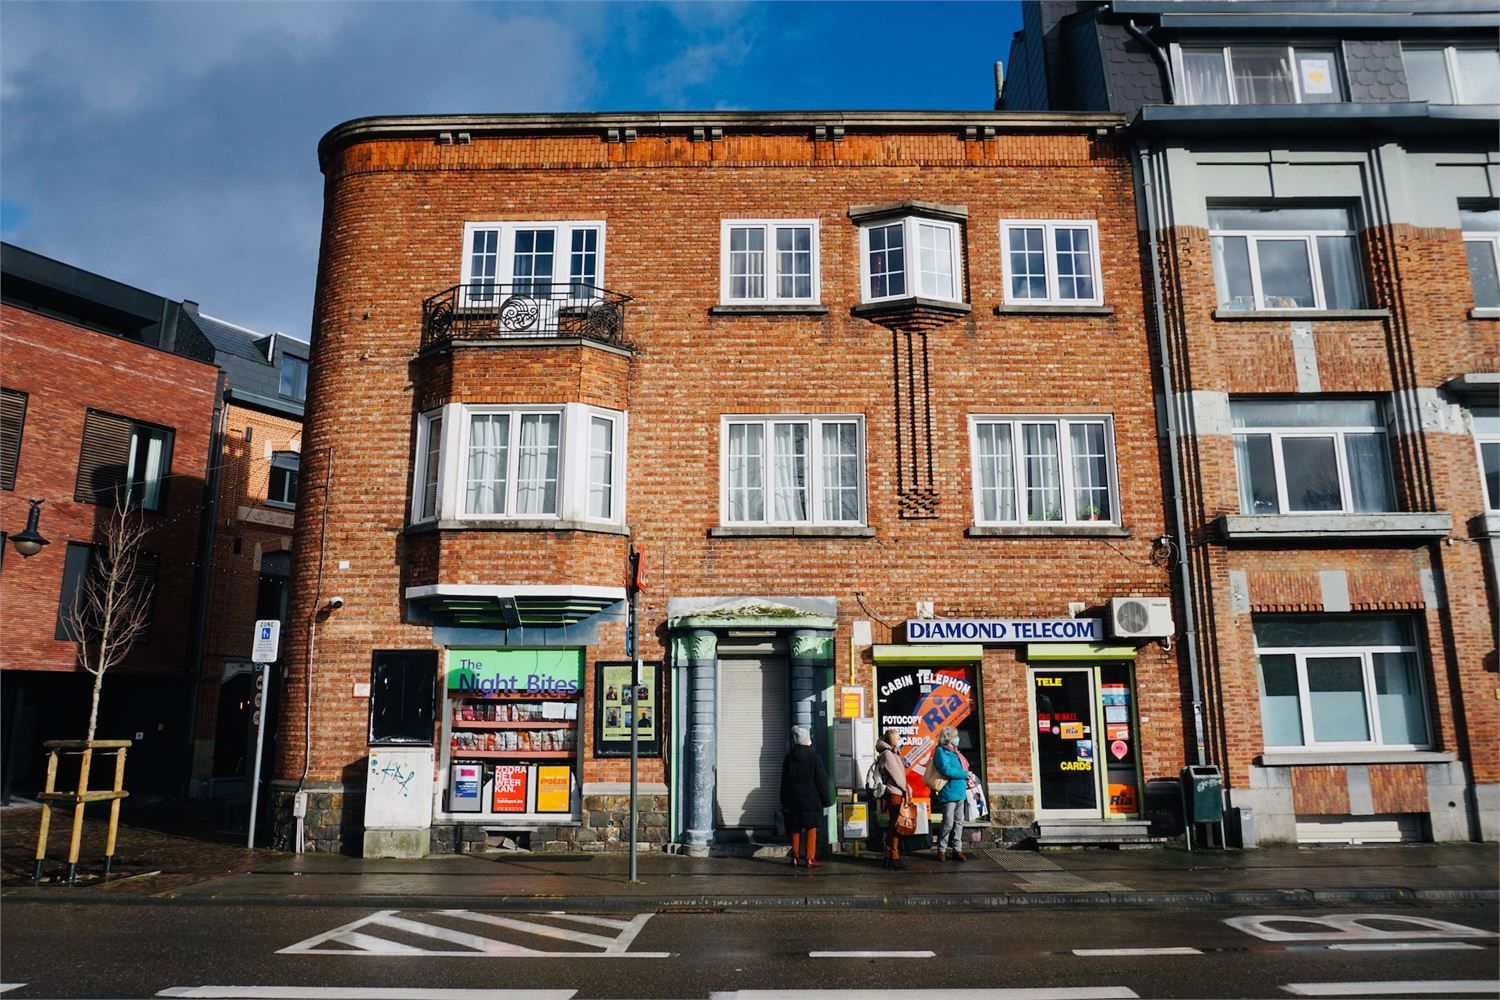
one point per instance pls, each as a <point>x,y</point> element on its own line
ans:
<point>1002,631</point>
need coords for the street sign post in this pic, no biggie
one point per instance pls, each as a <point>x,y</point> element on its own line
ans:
<point>263,650</point>
<point>267,642</point>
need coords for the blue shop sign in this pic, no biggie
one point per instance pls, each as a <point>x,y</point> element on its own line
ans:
<point>1005,631</point>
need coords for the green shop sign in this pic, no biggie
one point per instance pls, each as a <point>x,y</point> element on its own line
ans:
<point>542,672</point>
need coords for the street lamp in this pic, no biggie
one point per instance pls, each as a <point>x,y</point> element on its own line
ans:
<point>30,541</point>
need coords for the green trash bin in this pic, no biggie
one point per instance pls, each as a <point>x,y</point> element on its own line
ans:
<point>1203,798</point>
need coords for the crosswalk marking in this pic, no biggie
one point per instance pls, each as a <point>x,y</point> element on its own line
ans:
<point>356,993</point>
<point>1038,993</point>
<point>1405,946</point>
<point>1127,952</point>
<point>1438,987</point>
<point>870,954</point>
<point>370,936</point>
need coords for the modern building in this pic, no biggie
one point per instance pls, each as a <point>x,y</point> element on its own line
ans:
<point>872,393</point>
<point>1319,187</point>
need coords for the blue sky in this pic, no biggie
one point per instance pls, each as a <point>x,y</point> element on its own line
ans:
<point>172,146</point>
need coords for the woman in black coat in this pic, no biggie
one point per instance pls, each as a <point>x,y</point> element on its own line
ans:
<point>804,796</point>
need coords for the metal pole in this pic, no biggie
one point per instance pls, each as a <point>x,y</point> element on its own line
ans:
<point>635,708</point>
<point>264,670</point>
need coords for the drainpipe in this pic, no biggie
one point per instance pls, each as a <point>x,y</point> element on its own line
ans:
<point>207,533</point>
<point>1171,401</point>
<point>1158,55</point>
<point>312,642</point>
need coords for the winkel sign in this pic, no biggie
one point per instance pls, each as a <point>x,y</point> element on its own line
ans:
<point>1004,631</point>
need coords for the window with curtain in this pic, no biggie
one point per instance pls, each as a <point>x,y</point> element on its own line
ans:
<point>1052,470</point>
<point>769,261</point>
<point>1331,681</point>
<point>1481,229</point>
<point>1311,456</point>
<point>601,467</point>
<point>1452,74</point>
<point>123,460</point>
<point>1262,74</point>
<point>1283,257</point>
<point>1051,262</point>
<point>793,470</point>
<point>890,272</point>
<point>550,261</point>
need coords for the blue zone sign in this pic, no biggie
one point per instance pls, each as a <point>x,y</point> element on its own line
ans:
<point>1003,631</point>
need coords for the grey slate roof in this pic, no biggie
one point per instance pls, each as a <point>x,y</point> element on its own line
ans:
<point>251,361</point>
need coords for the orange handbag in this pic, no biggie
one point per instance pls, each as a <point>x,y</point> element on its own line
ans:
<point>906,819</point>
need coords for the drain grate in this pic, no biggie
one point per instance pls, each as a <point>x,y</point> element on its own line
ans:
<point>1022,861</point>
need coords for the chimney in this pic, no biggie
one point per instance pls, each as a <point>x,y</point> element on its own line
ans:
<point>999,82</point>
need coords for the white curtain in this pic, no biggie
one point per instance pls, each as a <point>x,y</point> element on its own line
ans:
<point>1043,474</point>
<point>790,468</point>
<point>536,471</point>
<point>601,467</point>
<point>146,469</point>
<point>997,487</point>
<point>489,439</point>
<point>747,500</point>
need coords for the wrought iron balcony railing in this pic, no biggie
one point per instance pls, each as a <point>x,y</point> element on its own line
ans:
<point>478,312</point>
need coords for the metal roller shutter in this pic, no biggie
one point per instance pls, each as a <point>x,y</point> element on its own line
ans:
<point>754,733</point>
<point>12,418</point>
<point>103,457</point>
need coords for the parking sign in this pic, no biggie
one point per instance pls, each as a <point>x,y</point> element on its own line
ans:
<point>267,640</point>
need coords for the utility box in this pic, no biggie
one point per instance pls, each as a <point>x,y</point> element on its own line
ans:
<point>853,752</point>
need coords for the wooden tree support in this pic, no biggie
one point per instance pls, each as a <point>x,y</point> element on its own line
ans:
<point>81,797</point>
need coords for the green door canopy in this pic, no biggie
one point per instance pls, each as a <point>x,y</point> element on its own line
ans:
<point>1078,651</point>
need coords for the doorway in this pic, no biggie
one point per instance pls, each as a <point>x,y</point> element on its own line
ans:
<point>1065,743</point>
<point>754,733</point>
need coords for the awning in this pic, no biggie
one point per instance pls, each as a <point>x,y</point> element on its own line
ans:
<point>937,653</point>
<point>494,606</point>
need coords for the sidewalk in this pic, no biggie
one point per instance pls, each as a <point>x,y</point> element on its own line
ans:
<point>160,867</point>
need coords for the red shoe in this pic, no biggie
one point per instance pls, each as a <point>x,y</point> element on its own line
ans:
<point>813,863</point>
<point>796,861</point>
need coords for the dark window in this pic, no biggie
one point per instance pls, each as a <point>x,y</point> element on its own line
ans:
<point>403,696</point>
<point>123,459</point>
<point>283,486</point>
<point>275,574</point>
<point>75,568</point>
<point>293,378</point>
<point>12,420</point>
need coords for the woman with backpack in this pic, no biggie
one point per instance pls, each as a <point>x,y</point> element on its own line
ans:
<point>891,770</point>
<point>949,780</point>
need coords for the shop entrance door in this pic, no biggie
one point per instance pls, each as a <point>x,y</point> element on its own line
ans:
<point>1065,742</point>
<point>754,733</point>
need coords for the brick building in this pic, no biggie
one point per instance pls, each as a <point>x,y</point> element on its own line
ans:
<point>873,393</point>
<point>106,387</point>
<point>1322,182</point>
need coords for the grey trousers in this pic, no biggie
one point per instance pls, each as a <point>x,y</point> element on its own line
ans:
<point>950,835</point>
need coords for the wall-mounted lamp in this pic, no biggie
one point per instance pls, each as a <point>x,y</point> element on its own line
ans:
<point>30,541</point>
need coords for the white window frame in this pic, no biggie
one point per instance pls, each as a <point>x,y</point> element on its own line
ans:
<point>1341,80</point>
<point>815,484</point>
<point>421,512</point>
<point>772,274</point>
<point>1065,468</point>
<point>1491,239</point>
<point>573,475</point>
<point>505,248</point>
<point>1450,63</point>
<point>1366,655</point>
<point>1309,239</point>
<point>1336,431</point>
<point>911,257</point>
<point>1480,440</point>
<point>1049,228</point>
<point>295,469</point>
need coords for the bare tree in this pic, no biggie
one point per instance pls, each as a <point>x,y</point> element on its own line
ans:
<point>112,610</point>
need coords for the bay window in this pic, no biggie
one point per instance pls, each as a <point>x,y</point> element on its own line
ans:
<point>1481,227</point>
<point>1262,74</point>
<point>792,470</point>
<point>490,463</point>
<point>911,257</point>
<point>1051,263</point>
<point>1310,457</point>
<point>1043,470</point>
<point>1452,74</point>
<point>769,262</point>
<point>1286,258</point>
<point>1340,681</point>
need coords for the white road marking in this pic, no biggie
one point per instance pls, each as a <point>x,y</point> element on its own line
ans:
<point>1405,946</point>
<point>363,937</point>
<point>1042,993</point>
<point>1440,987</point>
<point>1124,952</point>
<point>870,954</point>
<point>1350,926</point>
<point>356,993</point>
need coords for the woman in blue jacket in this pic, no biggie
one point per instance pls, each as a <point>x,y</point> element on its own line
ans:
<point>947,764</point>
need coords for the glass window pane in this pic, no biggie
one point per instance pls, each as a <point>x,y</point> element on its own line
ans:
<point>1280,704</point>
<point>1315,630</point>
<point>1312,474</point>
<point>789,471</point>
<point>746,471</point>
<point>1027,264</point>
<point>840,464</point>
<point>536,466</point>
<point>431,468</point>
<point>1306,413</point>
<point>1318,76</point>
<point>1479,220</point>
<point>747,263</point>
<point>1293,219</point>
<point>1427,75</point>
<point>1338,263</point>
<point>1075,264</point>
<point>1285,274</point>
<point>887,261</point>
<point>997,487</point>
<point>601,467</point>
<point>794,262</point>
<point>1489,455</point>
<point>1043,472</point>
<point>1256,470</point>
<point>1478,75</point>
<point>489,444</point>
<point>1090,468</point>
<point>1336,696</point>
<point>1398,695</point>
<point>1482,273</point>
<point>1206,82</point>
<point>1232,272</point>
<point>1262,75</point>
<point>936,254</point>
<point>1369,472</point>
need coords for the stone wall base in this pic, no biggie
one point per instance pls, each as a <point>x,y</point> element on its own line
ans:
<point>333,824</point>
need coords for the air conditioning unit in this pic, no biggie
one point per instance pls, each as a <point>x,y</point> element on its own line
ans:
<point>1140,617</point>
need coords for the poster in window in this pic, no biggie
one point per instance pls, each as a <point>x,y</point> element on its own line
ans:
<point>1317,76</point>
<point>919,702</point>
<point>615,707</point>
<point>510,783</point>
<point>554,788</point>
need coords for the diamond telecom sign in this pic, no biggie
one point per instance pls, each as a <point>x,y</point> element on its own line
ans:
<point>1005,631</point>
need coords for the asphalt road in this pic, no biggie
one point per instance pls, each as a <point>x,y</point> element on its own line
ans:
<point>146,950</point>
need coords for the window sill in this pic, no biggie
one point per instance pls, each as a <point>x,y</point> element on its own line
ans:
<point>1047,531</point>
<point>1294,758</point>
<point>791,531</point>
<point>1321,315</point>
<point>1484,313</point>
<point>280,505</point>
<point>518,524</point>
<point>1019,309</point>
<point>1249,527</point>
<point>910,302</point>
<point>770,309</point>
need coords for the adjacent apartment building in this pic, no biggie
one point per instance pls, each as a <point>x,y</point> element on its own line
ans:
<point>1320,185</point>
<point>873,395</point>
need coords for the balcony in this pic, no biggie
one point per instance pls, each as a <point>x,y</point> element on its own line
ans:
<point>489,313</point>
